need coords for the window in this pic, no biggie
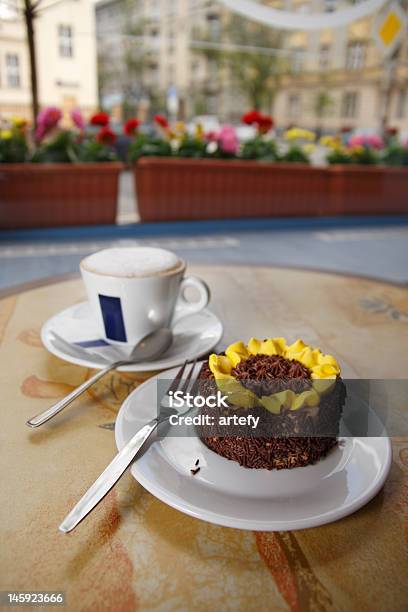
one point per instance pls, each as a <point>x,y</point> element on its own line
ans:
<point>13,70</point>
<point>213,67</point>
<point>297,59</point>
<point>172,7</point>
<point>171,73</point>
<point>349,106</point>
<point>195,69</point>
<point>402,104</point>
<point>214,26</point>
<point>330,6</point>
<point>171,41</point>
<point>9,9</point>
<point>324,57</point>
<point>65,41</point>
<point>154,72</point>
<point>355,55</point>
<point>293,106</point>
<point>212,104</point>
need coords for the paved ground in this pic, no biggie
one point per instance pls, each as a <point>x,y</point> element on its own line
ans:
<point>375,252</point>
<point>127,209</point>
<point>379,252</point>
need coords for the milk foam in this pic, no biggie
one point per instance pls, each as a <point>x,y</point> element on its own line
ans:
<point>132,262</point>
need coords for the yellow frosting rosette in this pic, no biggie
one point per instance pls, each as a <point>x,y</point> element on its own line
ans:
<point>324,370</point>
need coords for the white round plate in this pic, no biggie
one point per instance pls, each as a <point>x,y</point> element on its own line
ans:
<point>225,493</point>
<point>194,336</point>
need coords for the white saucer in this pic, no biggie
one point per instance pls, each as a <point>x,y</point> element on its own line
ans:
<point>224,493</point>
<point>194,336</point>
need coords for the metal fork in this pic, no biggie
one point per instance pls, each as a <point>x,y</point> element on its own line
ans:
<point>124,458</point>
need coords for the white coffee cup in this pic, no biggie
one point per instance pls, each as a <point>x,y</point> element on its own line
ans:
<point>135,291</point>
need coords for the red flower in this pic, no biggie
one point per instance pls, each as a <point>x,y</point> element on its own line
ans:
<point>264,123</point>
<point>211,136</point>
<point>162,121</point>
<point>100,119</point>
<point>106,136</point>
<point>251,117</point>
<point>131,125</point>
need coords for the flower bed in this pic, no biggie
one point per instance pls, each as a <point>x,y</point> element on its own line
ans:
<point>175,189</point>
<point>365,190</point>
<point>190,174</point>
<point>58,177</point>
<point>184,175</point>
<point>49,195</point>
<point>368,175</point>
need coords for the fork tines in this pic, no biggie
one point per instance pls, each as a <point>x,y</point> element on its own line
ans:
<point>178,379</point>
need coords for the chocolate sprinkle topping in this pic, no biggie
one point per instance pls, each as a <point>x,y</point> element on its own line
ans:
<point>271,453</point>
<point>267,374</point>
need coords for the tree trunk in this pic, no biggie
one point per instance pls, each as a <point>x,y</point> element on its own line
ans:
<point>29,15</point>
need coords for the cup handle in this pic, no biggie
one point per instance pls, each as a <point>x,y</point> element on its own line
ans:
<point>185,308</point>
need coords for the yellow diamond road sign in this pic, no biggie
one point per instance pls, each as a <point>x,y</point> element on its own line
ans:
<point>390,27</point>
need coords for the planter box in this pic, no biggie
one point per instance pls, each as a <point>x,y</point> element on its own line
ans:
<point>49,195</point>
<point>177,189</point>
<point>362,190</point>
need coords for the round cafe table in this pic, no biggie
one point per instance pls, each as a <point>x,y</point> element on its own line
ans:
<point>133,551</point>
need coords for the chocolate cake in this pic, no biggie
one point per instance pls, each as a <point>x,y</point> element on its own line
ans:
<point>299,406</point>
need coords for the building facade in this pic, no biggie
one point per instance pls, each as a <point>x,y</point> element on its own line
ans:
<point>328,79</point>
<point>65,58</point>
<point>339,78</point>
<point>146,57</point>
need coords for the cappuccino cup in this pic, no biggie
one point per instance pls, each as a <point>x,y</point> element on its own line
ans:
<point>135,291</point>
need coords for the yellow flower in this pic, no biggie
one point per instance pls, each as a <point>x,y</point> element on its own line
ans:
<point>299,134</point>
<point>19,122</point>
<point>357,150</point>
<point>324,370</point>
<point>179,128</point>
<point>6,134</point>
<point>199,131</point>
<point>332,142</point>
<point>309,148</point>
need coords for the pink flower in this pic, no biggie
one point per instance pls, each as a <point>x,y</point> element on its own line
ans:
<point>373,141</point>
<point>77,119</point>
<point>356,141</point>
<point>228,139</point>
<point>47,120</point>
<point>406,144</point>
